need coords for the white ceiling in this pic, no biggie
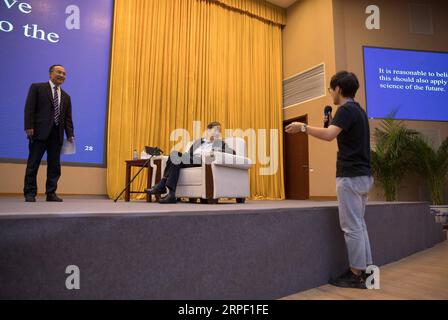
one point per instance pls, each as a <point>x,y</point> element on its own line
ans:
<point>282,3</point>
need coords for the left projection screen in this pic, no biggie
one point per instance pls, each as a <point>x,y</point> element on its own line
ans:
<point>35,34</point>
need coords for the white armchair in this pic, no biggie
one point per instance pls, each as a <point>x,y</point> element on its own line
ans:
<point>221,175</point>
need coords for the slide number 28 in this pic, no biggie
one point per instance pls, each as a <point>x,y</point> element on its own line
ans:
<point>88,148</point>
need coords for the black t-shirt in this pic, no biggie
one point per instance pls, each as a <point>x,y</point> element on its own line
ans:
<point>353,141</point>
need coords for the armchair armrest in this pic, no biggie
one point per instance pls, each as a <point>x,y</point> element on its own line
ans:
<point>230,160</point>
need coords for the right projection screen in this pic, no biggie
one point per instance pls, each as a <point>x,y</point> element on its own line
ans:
<point>406,84</point>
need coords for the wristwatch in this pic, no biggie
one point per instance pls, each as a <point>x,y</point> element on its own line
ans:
<point>303,128</point>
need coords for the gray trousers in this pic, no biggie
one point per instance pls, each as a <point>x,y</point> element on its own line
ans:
<point>352,199</point>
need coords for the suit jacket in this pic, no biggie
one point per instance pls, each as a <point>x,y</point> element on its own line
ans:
<point>218,144</point>
<point>39,112</point>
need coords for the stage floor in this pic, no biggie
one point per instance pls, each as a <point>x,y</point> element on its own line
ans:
<point>256,250</point>
<point>101,206</point>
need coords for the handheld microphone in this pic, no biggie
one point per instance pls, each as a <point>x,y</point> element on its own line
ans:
<point>327,114</point>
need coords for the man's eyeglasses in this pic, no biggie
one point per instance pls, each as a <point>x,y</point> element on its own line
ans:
<point>60,73</point>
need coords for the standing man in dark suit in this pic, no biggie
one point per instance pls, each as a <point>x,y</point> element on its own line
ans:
<point>48,113</point>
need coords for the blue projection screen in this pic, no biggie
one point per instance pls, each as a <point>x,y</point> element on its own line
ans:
<point>411,85</point>
<point>35,34</point>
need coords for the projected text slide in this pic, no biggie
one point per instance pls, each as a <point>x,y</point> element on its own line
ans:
<point>35,34</point>
<point>409,84</point>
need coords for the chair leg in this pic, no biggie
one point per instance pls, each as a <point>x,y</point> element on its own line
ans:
<point>209,201</point>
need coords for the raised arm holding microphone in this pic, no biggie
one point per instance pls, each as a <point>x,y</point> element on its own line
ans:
<point>353,172</point>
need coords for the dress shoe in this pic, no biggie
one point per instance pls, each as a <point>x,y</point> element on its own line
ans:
<point>156,190</point>
<point>170,198</point>
<point>30,199</point>
<point>52,197</point>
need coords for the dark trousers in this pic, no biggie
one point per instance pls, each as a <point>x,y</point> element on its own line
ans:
<point>172,168</point>
<point>37,149</point>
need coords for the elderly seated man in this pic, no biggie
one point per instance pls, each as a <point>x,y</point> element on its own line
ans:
<point>192,158</point>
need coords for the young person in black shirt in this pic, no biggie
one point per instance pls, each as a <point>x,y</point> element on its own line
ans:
<point>353,173</point>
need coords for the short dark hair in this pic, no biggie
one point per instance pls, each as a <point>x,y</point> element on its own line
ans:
<point>213,124</point>
<point>347,81</point>
<point>55,65</point>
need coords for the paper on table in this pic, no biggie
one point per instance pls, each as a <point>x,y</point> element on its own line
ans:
<point>68,147</point>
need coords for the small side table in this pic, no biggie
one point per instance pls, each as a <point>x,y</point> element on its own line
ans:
<point>137,163</point>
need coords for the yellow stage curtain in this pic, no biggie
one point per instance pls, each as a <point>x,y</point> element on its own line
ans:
<point>261,9</point>
<point>179,61</point>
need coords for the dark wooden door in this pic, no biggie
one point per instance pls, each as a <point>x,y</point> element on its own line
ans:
<point>296,164</point>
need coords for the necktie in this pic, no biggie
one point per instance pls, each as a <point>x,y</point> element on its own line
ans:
<point>57,110</point>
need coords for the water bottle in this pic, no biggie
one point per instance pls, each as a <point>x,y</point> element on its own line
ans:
<point>135,155</point>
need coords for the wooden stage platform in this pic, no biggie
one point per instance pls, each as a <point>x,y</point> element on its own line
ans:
<point>139,250</point>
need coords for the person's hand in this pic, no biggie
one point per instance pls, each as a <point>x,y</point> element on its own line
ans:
<point>294,127</point>
<point>208,157</point>
<point>29,132</point>
<point>328,118</point>
<point>71,139</point>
